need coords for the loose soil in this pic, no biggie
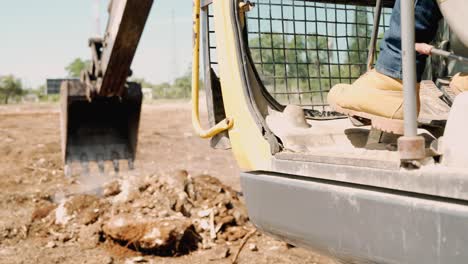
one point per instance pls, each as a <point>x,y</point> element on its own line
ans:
<point>181,205</point>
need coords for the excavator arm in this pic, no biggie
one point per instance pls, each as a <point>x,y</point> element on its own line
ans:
<point>101,112</point>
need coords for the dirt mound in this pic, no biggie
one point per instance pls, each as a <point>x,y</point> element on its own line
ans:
<point>165,215</point>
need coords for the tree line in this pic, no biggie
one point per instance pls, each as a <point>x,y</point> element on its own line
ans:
<point>309,62</point>
<point>10,88</point>
<point>180,88</point>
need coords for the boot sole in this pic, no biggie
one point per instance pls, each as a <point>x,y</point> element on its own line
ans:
<point>395,126</point>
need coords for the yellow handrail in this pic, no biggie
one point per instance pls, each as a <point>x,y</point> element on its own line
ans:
<point>225,124</point>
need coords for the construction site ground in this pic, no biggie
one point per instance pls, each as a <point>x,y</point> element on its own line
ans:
<point>35,226</point>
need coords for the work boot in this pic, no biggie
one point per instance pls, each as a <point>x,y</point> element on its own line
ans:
<point>373,96</point>
<point>459,83</point>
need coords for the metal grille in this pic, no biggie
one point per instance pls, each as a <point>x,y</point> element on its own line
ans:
<point>302,48</point>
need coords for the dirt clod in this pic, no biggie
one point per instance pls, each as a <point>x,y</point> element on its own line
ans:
<point>88,236</point>
<point>111,189</point>
<point>164,237</point>
<point>253,247</point>
<point>43,211</point>
<point>220,252</point>
<point>51,244</point>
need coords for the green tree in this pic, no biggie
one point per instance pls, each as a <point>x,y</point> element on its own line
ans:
<point>75,68</point>
<point>298,57</point>
<point>184,85</point>
<point>161,90</point>
<point>10,87</point>
<point>267,52</point>
<point>359,44</point>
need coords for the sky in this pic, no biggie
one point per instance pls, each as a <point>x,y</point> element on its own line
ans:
<point>39,38</point>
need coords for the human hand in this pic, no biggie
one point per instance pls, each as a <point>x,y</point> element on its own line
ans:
<point>424,48</point>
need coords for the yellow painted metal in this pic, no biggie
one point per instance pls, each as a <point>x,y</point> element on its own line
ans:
<point>249,146</point>
<point>224,124</point>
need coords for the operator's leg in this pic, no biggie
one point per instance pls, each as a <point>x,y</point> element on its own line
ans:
<point>378,94</point>
<point>427,16</point>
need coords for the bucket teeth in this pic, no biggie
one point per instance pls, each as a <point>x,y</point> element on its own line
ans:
<point>84,163</point>
<point>115,161</point>
<point>67,170</point>
<point>101,166</point>
<point>131,164</point>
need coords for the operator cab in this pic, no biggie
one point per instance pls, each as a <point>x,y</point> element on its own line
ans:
<point>317,178</point>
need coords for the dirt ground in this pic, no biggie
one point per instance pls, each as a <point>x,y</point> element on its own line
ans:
<point>31,179</point>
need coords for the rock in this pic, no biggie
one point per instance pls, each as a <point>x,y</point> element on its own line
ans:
<point>182,204</point>
<point>108,260</point>
<point>233,233</point>
<point>61,214</point>
<point>219,253</point>
<point>88,237</point>
<point>89,216</point>
<point>163,214</point>
<point>41,161</point>
<point>43,211</point>
<point>205,224</point>
<point>178,180</point>
<point>253,247</point>
<point>51,244</point>
<point>138,259</point>
<point>82,206</point>
<point>64,237</point>
<point>289,246</point>
<point>143,186</point>
<point>111,189</point>
<point>164,237</point>
<point>240,214</point>
<point>129,192</point>
<point>204,213</point>
<point>228,219</point>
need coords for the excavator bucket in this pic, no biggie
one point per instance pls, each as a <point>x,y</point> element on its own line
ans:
<point>101,111</point>
<point>101,129</point>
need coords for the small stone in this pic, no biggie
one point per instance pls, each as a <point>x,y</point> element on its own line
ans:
<point>163,214</point>
<point>253,247</point>
<point>204,213</point>
<point>88,237</point>
<point>218,253</point>
<point>289,246</point>
<point>139,259</point>
<point>64,238</point>
<point>108,260</point>
<point>204,224</point>
<point>274,248</point>
<point>89,216</point>
<point>111,189</point>
<point>42,212</point>
<point>51,244</point>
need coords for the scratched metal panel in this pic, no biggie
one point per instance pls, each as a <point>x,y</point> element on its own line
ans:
<point>355,224</point>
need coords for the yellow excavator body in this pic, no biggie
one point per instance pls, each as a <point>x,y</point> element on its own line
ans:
<point>311,176</point>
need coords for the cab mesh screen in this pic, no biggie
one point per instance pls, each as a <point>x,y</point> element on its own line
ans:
<point>302,48</point>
